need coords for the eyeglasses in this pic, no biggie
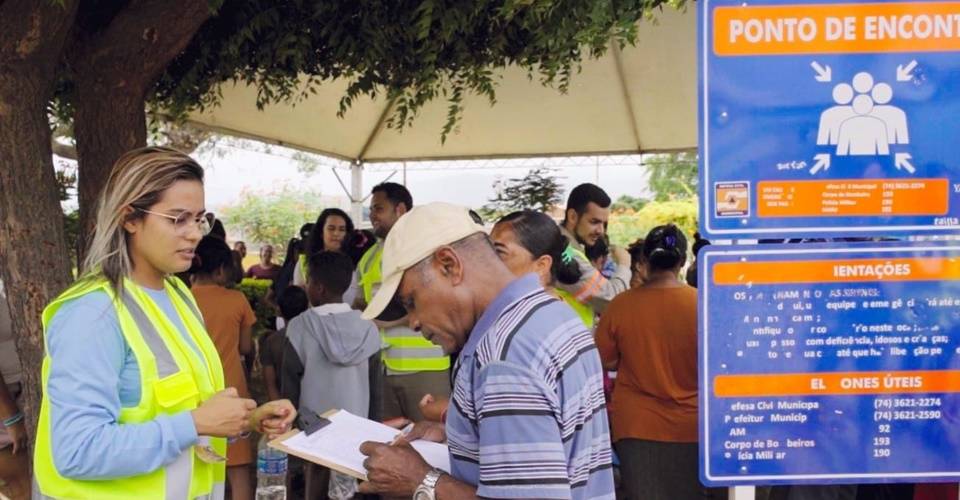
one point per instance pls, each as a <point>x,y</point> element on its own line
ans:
<point>182,221</point>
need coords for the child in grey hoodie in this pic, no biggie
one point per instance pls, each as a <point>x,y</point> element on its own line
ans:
<point>325,361</point>
<point>328,345</point>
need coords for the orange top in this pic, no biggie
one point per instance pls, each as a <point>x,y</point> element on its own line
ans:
<point>652,332</point>
<point>225,312</point>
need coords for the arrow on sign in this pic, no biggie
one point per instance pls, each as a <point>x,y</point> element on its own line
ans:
<point>905,73</point>
<point>823,74</point>
<point>822,162</point>
<point>902,161</point>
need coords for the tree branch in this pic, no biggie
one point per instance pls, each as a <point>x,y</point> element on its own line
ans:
<point>33,31</point>
<point>116,63</point>
<point>63,150</point>
<point>139,42</point>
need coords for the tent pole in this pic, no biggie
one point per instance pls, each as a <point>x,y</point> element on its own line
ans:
<point>627,98</point>
<point>356,191</point>
<point>742,493</point>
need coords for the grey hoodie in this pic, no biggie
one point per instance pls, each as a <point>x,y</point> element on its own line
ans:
<point>325,360</point>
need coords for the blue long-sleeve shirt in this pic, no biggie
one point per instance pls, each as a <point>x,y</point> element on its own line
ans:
<point>93,374</point>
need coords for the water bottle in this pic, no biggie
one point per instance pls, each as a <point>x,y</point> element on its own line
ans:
<point>271,472</point>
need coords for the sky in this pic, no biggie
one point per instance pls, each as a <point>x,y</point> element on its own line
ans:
<point>234,168</point>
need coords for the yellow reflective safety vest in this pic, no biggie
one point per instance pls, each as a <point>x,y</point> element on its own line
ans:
<point>585,311</point>
<point>407,350</point>
<point>303,268</point>
<point>370,270</point>
<point>173,379</point>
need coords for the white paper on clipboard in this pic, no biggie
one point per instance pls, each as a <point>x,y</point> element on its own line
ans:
<point>337,445</point>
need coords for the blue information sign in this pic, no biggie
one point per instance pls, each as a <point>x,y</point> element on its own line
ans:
<point>829,363</point>
<point>827,118</point>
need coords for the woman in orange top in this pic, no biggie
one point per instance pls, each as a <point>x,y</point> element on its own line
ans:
<point>229,320</point>
<point>649,335</point>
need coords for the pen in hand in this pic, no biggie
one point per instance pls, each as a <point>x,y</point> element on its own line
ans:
<point>403,432</point>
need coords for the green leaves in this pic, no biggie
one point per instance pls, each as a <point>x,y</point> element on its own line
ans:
<point>539,190</point>
<point>673,182</point>
<point>626,203</point>
<point>272,217</point>
<point>424,15</point>
<point>628,225</point>
<point>673,175</point>
<point>214,5</point>
<point>413,51</point>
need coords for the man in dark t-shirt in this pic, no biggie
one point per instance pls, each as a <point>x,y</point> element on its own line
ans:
<point>266,269</point>
<point>292,302</point>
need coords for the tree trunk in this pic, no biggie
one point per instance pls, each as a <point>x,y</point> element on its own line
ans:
<point>115,69</point>
<point>32,244</point>
<point>34,261</point>
<point>107,123</point>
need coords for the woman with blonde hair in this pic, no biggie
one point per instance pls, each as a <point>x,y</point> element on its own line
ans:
<point>134,402</point>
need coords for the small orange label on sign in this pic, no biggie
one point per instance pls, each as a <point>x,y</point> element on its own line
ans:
<point>733,199</point>
<point>852,197</point>
<point>850,383</point>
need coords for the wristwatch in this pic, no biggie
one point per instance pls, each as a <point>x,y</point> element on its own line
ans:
<point>428,488</point>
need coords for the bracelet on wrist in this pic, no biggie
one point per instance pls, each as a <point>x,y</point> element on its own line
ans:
<point>13,419</point>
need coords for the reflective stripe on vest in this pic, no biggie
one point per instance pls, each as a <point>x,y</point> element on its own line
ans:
<point>303,268</point>
<point>166,366</point>
<point>218,493</point>
<point>173,379</point>
<point>407,350</point>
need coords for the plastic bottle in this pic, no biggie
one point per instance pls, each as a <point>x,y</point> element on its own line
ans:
<point>271,472</point>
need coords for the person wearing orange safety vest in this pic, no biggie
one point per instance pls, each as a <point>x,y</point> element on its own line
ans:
<point>134,403</point>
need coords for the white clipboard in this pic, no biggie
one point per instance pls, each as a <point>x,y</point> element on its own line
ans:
<point>336,445</point>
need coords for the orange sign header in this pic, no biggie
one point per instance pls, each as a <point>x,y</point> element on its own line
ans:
<point>822,384</point>
<point>836,271</point>
<point>836,28</point>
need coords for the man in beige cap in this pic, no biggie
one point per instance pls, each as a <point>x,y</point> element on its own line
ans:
<point>526,418</point>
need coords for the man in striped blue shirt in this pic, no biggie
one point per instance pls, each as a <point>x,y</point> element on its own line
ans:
<point>527,416</point>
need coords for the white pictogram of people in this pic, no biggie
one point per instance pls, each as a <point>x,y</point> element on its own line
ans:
<point>863,122</point>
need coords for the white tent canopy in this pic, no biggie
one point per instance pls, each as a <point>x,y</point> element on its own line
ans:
<point>641,99</point>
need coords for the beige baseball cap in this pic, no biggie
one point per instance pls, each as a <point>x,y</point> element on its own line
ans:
<point>414,237</point>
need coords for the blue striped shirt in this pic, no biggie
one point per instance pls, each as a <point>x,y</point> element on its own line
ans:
<point>527,418</point>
